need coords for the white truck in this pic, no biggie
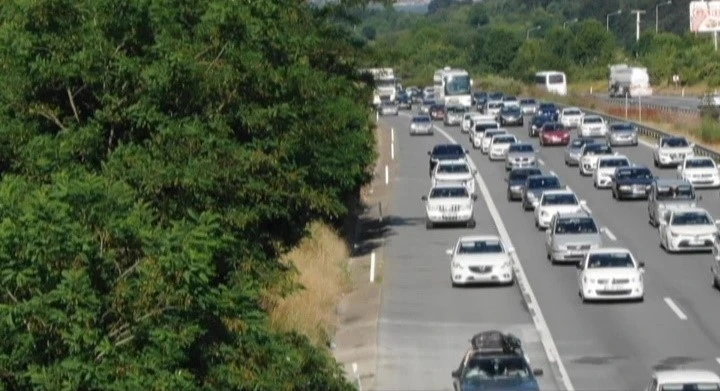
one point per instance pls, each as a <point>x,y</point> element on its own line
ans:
<point>385,84</point>
<point>628,81</point>
<point>453,87</point>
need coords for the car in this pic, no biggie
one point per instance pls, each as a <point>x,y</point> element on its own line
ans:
<point>702,172</point>
<point>592,126</point>
<point>429,92</point>
<point>389,107</point>
<point>611,274</point>
<point>549,109</point>
<point>573,149</point>
<point>537,122</point>
<point>622,133</point>
<point>449,203</point>
<point>511,115</point>
<point>691,229</point>
<point>554,133</point>
<point>421,124</point>
<point>470,118</point>
<point>437,112</point>
<point>445,152</point>
<point>667,195</point>
<point>535,185</point>
<point>589,155</point>
<point>454,115</point>
<point>499,145</point>
<point>528,106</point>
<point>570,236</point>
<point>510,100</point>
<point>493,107</point>
<point>404,101</point>
<point>414,93</point>
<point>520,155</point>
<point>477,132</point>
<point>495,361</point>
<point>605,169</point>
<point>556,201</point>
<point>487,138</point>
<point>497,96</point>
<point>425,106</point>
<point>571,117</point>
<point>684,379</point>
<point>480,259</point>
<point>516,181</point>
<point>632,182</point>
<point>715,265</point>
<point>670,151</point>
<point>478,99</point>
<point>455,171</point>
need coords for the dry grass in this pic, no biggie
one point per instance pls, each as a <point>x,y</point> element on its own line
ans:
<point>320,261</point>
<point>596,86</point>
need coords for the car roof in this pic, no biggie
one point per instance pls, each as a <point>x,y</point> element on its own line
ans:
<point>699,158</point>
<point>641,167</point>
<point>448,185</point>
<point>558,191</point>
<point>526,169</point>
<point>574,215</point>
<point>692,210</point>
<point>593,116</point>
<point>499,135</point>
<point>572,108</point>
<point>420,117</point>
<point>673,138</point>
<point>621,124</point>
<point>684,375</point>
<point>468,238</point>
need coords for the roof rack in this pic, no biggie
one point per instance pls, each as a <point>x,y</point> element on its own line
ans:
<point>494,341</point>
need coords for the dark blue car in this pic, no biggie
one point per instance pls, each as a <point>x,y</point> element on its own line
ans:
<point>537,122</point>
<point>632,182</point>
<point>549,109</point>
<point>445,152</point>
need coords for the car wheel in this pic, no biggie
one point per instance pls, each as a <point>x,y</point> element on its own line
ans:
<point>428,224</point>
<point>509,195</point>
<point>641,299</point>
<point>613,194</point>
<point>582,297</point>
<point>715,282</point>
<point>471,223</point>
<point>657,164</point>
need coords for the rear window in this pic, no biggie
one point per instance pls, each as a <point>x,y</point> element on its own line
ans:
<point>448,149</point>
<point>421,119</point>
<point>521,148</point>
<point>543,183</point>
<point>527,101</point>
<point>690,387</point>
<point>592,120</point>
<point>556,79</point>
<point>516,175</point>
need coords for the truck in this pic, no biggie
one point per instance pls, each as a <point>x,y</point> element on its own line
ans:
<point>453,87</point>
<point>627,81</point>
<point>385,84</point>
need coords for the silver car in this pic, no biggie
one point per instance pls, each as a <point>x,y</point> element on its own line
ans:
<point>622,133</point>
<point>574,150</point>
<point>669,194</point>
<point>534,187</point>
<point>520,155</point>
<point>421,124</point>
<point>389,108</point>
<point>528,106</point>
<point>454,115</point>
<point>570,236</point>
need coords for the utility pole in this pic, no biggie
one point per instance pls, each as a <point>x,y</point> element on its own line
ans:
<point>637,22</point>
<point>607,18</point>
<point>657,20</point>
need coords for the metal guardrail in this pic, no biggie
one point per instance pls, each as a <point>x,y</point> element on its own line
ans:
<point>633,102</point>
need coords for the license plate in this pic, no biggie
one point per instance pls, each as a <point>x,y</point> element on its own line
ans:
<point>614,287</point>
<point>449,217</point>
<point>697,242</point>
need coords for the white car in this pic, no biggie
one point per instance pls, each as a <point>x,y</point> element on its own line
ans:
<point>556,201</point>
<point>454,171</point>
<point>511,101</point>
<point>571,117</point>
<point>593,126</point>
<point>478,129</point>
<point>493,107</point>
<point>605,169</point>
<point>480,259</point>
<point>702,172</point>
<point>611,274</point>
<point>589,154</point>
<point>449,203</point>
<point>499,145</point>
<point>684,379</point>
<point>690,229</point>
<point>468,119</point>
<point>487,137</point>
<point>672,150</point>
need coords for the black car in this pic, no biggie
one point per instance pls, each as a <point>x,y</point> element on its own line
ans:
<point>445,152</point>
<point>516,181</point>
<point>511,115</point>
<point>495,96</point>
<point>479,99</point>
<point>537,122</point>
<point>549,109</point>
<point>632,182</point>
<point>404,101</point>
<point>495,361</point>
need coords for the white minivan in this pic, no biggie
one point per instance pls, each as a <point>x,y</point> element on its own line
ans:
<point>552,81</point>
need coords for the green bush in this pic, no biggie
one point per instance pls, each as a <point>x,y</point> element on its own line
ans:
<point>710,130</point>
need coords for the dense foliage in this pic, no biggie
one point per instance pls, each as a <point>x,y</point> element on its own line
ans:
<point>157,157</point>
<point>492,37</point>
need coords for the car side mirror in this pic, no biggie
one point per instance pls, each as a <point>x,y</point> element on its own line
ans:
<point>474,172</point>
<point>641,265</point>
<point>537,372</point>
<point>511,250</point>
<point>692,145</point>
<point>467,151</point>
<point>455,373</point>
<point>656,177</point>
<point>474,197</point>
<point>717,222</point>
<point>579,266</point>
<point>583,202</point>
<point>471,82</point>
<point>449,251</point>
<point>424,198</point>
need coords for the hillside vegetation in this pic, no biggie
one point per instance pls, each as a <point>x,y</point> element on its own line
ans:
<point>159,158</point>
<point>491,38</point>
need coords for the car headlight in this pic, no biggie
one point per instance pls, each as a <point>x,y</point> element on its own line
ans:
<point>507,264</point>
<point>588,280</point>
<point>456,265</point>
<point>624,187</point>
<point>515,188</point>
<point>543,213</point>
<point>560,247</point>
<point>673,234</point>
<point>595,246</point>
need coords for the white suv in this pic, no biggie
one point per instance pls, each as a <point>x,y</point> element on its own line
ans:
<point>449,203</point>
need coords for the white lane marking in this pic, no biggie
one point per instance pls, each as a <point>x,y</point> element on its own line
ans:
<point>392,151</point>
<point>542,163</point>
<point>609,233</point>
<point>645,143</point>
<point>674,307</point>
<point>392,135</point>
<point>553,173</point>
<point>527,293</point>
<point>387,175</point>
<point>372,267</point>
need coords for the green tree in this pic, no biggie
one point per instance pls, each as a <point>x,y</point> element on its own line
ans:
<point>496,48</point>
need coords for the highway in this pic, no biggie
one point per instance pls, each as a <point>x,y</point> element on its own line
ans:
<point>425,324</point>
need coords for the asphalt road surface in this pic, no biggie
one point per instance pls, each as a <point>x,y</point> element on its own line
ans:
<point>425,324</point>
<point>686,103</point>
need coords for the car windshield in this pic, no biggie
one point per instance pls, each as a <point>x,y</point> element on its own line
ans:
<point>543,183</point>
<point>495,105</point>
<point>504,140</point>
<point>480,247</point>
<point>592,120</point>
<point>453,169</point>
<point>428,102</point>
<point>448,149</point>
<point>490,133</point>
<point>598,150</point>
<point>691,218</point>
<point>484,126</point>
<point>667,193</point>
<point>547,107</point>
<point>456,110</point>
<point>674,142</point>
<point>638,173</point>
<point>578,143</point>
<point>521,148</point>
<point>511,110</point>
<point>421,119</point>
<point>690,387</point>
<point>388,103</point>
<point>699,163</point>
<point>576,226</point>
<point>545,117</point>
<point>522,174</point>
<point>559,199</point>
<point>614,163</point>
<point>480,369</point>
<point>610,260</point>
<point>553,127</point>
<point>449,192</point>
<point>496,95</point>
<point>572,112</point>
<point>509,98</point>
<point>527,102</point>
<point>622,128</point>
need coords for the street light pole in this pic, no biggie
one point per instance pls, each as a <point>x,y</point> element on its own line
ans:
<point>668,2</point>
<point>607,18</point>
<point>571,21</point>
<point>527,34</point>
<point>637,22</point>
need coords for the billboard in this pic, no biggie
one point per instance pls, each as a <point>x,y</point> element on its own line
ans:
<point>704,16</point>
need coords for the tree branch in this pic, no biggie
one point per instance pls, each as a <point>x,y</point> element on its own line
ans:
<point>11,295</point>
<point>72,103</point>
<point>222,50</point>
<point>43,112</point>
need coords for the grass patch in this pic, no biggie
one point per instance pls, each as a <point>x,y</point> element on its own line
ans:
<point>320,261</point>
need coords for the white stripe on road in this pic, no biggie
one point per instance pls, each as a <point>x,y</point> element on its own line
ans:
<point>609,233</point>
<point>674,307</point>
<point>542,163</point>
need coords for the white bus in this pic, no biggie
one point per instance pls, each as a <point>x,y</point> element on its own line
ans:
<point>552,81</point>
<point>385,84</point>
<point>453,87</point>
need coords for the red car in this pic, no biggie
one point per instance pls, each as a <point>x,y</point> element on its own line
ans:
<point>437,112</point>
<point>554,133</point>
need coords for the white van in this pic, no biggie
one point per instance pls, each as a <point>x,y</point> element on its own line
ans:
<point>552,81</point>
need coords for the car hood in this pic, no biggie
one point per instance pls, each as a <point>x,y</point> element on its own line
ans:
<point>694,229</point>
<point>501,385</point>
<point>481,259</point>
<point>565,239</point>
<point>684,150</point>
<point>516,155</point>
<point>699,171</point>
<point>610,272</point>
<point>552,209</point>
<point>444,177</point>
<point>633,181</point>
<point>556,133</point>
<point>606,170</point>
<point>447,157</point>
